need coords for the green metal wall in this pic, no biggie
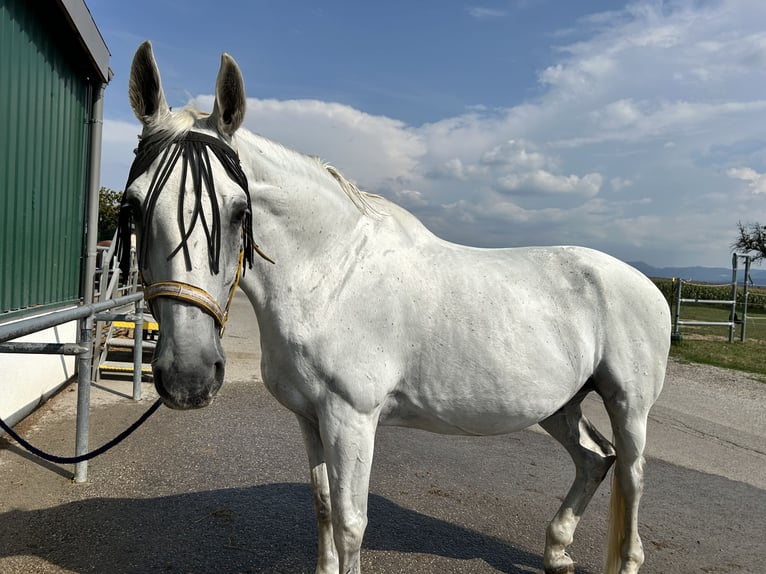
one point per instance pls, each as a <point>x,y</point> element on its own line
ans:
<point>43,153</point>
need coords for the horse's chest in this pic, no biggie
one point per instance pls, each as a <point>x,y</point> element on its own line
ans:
<point>285,383</point>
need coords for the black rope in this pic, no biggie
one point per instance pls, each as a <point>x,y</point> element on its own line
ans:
<point>83,457</point>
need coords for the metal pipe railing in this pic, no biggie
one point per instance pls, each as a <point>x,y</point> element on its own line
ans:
<point>731,323</point>
<point>85,314</point>
<point>23,327</point>
<point>42,348</point>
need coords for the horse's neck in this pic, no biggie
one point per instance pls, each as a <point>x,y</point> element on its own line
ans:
<point>301,219</point>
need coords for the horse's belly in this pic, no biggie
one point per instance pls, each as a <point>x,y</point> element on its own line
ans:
<point>476,409</point>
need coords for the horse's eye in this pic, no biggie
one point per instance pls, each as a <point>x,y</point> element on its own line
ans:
<point>133,207</point>
<point>239,215</point>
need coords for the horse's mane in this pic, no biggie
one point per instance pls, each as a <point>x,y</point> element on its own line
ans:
<point>293,159</point>
<point>357,196</point>
<point>179,122</point>
<point>175,123</point>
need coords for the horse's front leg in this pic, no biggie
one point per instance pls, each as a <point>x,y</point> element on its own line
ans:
<point>327,563</point>
<point>348,438</point>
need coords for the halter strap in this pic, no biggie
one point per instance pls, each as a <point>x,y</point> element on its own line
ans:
<point>188,293</point>
<point>196,296</point>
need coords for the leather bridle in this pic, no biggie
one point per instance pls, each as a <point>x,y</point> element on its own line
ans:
<point>192,149</point>
<point>196,296</point>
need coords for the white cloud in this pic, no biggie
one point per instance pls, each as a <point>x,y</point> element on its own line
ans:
<point>625,104</point>
<point>541,181</point>
<point>756,182</point>
<point>617,115</point>
<point>410,199</point>
<point>119,140</point>
<point>370,149</point>
<point>481,13</point>
<point>514,154</point>
<point>620,183</point>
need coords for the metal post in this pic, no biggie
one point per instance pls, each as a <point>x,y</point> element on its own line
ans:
<point>84,361</point>
<point>83,397</point>
<point>138,349</point>
<point>678,306</point>
<point>733,312</point>
<point>745,293</point>
<point>96,120</point>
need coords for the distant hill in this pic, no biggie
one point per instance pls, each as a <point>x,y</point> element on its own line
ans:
<point>703,274</point>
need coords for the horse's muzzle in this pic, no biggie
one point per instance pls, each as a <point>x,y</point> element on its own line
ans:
<point>189,362</point>
<point>185,390</point>
<point>188,374</point>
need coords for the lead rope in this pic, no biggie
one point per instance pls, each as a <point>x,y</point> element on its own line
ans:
<point>83,457</point>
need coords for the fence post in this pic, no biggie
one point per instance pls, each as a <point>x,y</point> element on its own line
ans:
<point>138,349</point>
<point>745,293</point>
<point>84,363</point>
<point>733,312</point>
<point>678,306</point>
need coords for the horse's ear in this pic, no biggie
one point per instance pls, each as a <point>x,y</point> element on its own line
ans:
<point>145,89</point>
<point>230,101</point>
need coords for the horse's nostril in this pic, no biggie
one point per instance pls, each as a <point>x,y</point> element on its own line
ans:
<point>220,370</point>
<point>199,402</point>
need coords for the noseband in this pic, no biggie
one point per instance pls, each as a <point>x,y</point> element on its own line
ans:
<point>192,148</point>
<point>195,295</point>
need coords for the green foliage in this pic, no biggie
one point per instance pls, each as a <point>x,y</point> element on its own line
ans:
<point>710,346</point>
<point>108,212</point>
<point>748,356</point>
<point>751,239</point>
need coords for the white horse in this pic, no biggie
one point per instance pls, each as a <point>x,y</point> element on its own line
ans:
<point>366,318</point>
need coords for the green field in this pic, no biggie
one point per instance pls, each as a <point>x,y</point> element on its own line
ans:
<point>709,345</point>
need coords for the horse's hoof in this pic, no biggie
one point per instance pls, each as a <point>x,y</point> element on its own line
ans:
<point>566,568</point>
<point>558,562</point>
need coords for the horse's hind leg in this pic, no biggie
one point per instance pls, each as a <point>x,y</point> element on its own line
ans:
<point>629,419</point>
<point>627,487</point>
<point>592,455</point>
<point>628,392</point>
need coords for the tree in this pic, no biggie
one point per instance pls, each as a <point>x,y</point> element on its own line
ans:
<point>108,212</point>
<point>751,240</point>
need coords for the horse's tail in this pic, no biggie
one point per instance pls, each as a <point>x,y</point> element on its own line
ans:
<point>616,527</point>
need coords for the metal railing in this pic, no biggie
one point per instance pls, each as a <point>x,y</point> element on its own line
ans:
<point>732,302</point>
<point>86,315</point>
<point>109,301</point>
<point>106,284</point>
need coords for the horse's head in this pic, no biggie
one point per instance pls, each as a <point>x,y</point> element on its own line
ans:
<point>188,201</point>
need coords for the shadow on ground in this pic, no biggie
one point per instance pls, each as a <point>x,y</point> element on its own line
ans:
<point>257,529</point>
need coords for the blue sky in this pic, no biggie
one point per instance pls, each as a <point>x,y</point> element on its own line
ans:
<point>635,127</point>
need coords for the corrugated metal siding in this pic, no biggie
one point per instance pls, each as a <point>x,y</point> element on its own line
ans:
<point>43,152</point>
